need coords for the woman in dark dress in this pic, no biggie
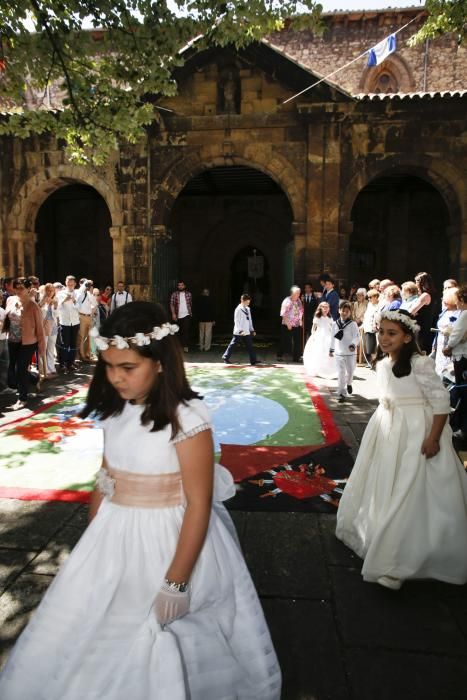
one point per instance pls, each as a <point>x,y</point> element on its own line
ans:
<point>424,310</point>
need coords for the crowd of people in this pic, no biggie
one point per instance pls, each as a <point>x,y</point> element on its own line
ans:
<point>47,326</point>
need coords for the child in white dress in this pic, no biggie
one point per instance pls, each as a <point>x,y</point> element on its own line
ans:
<point>155,601</point>
<point>404,509</point>
<point>316,354</point>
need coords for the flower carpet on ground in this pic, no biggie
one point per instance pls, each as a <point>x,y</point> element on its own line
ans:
<point>272,430</point>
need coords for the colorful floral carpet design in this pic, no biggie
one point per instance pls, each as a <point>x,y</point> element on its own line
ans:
<point>272,430</point>
<point>52,454</point>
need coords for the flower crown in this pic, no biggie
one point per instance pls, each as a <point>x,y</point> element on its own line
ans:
<point>139,339</point>
<point>405,319</point>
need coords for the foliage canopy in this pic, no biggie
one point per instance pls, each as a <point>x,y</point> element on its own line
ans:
<point>108,56</point>
<point>445,16</point>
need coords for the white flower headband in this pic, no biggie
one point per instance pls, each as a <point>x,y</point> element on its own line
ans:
<point>402,318</point>
<point>139,339</point>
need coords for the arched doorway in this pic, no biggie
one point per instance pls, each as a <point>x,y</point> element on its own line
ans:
<point>221,217</point>
<point>400,227</point>
<point>72,227</point>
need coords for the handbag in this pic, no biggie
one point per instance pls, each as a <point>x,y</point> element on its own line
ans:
<point>6,324</point>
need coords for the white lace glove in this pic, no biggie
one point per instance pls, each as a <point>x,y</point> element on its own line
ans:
<point>169,604</point>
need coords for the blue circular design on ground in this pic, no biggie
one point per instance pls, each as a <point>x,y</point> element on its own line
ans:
<point>241,418</point>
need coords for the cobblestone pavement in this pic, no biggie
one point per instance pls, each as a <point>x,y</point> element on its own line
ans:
<point>337,638</point>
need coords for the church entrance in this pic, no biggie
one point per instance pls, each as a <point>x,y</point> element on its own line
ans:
<point>72,228</point>
<point>230,227</point>
<point>400,227</point>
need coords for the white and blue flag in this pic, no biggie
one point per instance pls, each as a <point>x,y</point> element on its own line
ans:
<point>379,52</point>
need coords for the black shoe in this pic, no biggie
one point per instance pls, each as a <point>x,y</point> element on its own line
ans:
<point>349,388</point>
<point>226,361</point>
<point>341,398</point>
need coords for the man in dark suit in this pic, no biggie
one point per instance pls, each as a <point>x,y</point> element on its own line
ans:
<point>310,303</point>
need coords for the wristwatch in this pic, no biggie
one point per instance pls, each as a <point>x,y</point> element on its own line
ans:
<point>177,587</point>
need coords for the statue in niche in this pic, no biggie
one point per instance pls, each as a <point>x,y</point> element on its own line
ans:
<point>230,93</point>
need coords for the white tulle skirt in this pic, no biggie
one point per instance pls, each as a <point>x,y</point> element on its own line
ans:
<point>316,357</point>
<point>95,637</point>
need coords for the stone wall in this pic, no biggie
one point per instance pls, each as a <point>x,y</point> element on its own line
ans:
<point>439,65</point>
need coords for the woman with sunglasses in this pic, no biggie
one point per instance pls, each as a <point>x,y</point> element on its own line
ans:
<point>25,337</point>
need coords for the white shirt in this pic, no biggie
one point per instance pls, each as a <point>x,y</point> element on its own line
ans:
<point>351,337</point>
<point>369,318</point>
<point>182,305</point>
<point>68,314</point>
<point>86,302</point>
<point>120,299</point>
<point>458,338</point>
<point>243,323</point>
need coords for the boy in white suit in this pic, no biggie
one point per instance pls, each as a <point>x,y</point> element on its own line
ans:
<point>345,338</point>
<point>243,330</point>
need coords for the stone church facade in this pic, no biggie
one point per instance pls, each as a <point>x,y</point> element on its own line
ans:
<point>237,189</point>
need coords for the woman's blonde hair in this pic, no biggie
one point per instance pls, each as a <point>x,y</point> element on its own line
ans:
<point>450,295</point>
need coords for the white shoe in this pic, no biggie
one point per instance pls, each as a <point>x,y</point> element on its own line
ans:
<point>18,405</point>
<point>389,582</point>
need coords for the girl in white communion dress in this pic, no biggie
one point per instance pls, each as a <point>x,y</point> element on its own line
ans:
<point>316,357</point>
<point>404,508</point>
<point>156,600</point>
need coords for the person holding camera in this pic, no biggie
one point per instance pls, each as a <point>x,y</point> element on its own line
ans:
<point>87,308</point>
<point>68,316</point>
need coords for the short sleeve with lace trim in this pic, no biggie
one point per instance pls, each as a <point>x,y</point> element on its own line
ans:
<point>431,385</point>
<point>194,418</point>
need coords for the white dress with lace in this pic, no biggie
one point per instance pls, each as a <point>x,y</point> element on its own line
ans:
<point>95,637</point>
<point>406,515</point>
<point>316,357</point>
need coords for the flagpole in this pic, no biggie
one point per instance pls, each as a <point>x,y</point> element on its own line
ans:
<point>326,77</point>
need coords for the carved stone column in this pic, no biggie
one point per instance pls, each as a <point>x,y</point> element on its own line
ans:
<point>117,234</point>
<point>21,252</point>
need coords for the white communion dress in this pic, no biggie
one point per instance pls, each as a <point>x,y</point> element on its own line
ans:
<point>95,636</point>
<point>404,514</point>
<point>316,357</point>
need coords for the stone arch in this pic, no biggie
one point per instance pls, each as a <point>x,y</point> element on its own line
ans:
<point>33,193</point>
<point>396,69</point>
<point>264,159</point>
<point>38,187</point>
<point>442,175</point>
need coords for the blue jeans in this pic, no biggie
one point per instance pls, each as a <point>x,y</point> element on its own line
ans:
<point>236,339</point>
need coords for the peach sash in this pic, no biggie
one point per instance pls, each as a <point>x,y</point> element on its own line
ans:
<point>146,490</point>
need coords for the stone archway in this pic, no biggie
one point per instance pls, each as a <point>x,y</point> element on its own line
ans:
<point>220,212</point>
<point>446,182</point>
<point>260,157</point>
<point>32,194</point>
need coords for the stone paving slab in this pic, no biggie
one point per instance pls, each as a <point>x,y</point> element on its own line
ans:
<point>285,555</point>
<point>29,525</point>
<point>381,675</point>
<point>337,554</point>
<point>17,604</point>
<point>409,619</point>
<point>305,639</point>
